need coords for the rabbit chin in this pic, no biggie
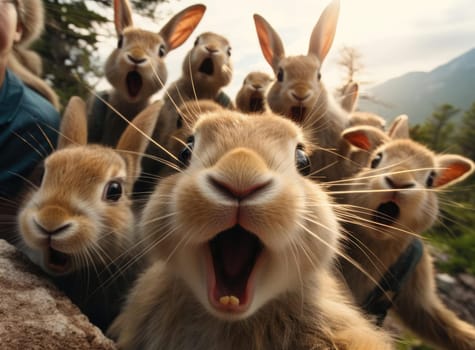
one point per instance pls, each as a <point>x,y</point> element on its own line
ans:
<point>261,278</point>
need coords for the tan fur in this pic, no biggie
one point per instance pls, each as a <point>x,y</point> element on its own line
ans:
<point>251,97</point>
<point>142,52</point>
<point>31,18</point>
<point>301,95</point>
<point>192,85</point>
<point>401,177</point>
<point>367,118</point>
<point>349,96</point>
<point>69,211</point>
<point>242,172</point>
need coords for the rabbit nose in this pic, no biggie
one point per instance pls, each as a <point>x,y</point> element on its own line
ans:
<point>237,192</point>
<point>49,230</point>
<point>211,49</point>
<point>136,60</point>
<point>299,97</point>
<point>256,86</point>
<point>398,184</point>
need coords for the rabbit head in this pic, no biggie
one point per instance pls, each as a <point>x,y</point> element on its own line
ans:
<point>136,68</point>
<point>241,224</point>
<point>398,187</point>
<point>298,91</point>
<point>252,95</point>
<point>208,64</point>
<point>81,212</point>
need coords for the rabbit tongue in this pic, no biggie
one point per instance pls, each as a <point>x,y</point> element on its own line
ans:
<point>134,83</point>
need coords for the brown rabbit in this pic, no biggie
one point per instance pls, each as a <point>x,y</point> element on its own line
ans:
<point>25,63</point>
<point>392,201</point>
<point>242,246</point>
<point>136,69</point>
<point>298,91</point>
<point>251,97</point>
<point>78,225</point>
<point>207,68</point>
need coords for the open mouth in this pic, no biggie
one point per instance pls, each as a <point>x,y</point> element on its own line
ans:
<point>134,83</point>
<point>297,113</point>
<point>57,261</point>
<point>207,66</point>
<point>256,104</point>
<point>234,254</point>
<point>387,213</point>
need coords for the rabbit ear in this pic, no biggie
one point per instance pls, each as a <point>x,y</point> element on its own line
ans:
<point>73,129</point>
<point>451,169</point>
<point>136,136</point>
<point>350,96</point>
<point>270,42</point>
<point>399,129</point>
<point>323,33</point>
<point>364,137</point>
<point>180,26</point>
<point>122,15</point>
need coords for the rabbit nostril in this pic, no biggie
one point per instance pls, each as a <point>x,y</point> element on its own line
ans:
<point>52,231</point>
<point>136,60</point>
<point>211,49</point>
<point>299,97</point>
<point>236,192</point>
<point>256,86</point>
<point>393,184</point>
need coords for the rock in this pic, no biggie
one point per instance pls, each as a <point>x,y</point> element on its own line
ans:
<point>35,315</point>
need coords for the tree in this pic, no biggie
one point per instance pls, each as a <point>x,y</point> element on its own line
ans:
<point>466,134</point>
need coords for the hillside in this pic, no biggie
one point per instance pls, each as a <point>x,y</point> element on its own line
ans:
<point>418,93</point>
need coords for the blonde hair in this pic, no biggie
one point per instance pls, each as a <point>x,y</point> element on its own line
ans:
<point>31,19</point>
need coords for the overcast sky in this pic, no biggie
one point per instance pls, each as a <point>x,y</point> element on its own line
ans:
<point>394,37</point>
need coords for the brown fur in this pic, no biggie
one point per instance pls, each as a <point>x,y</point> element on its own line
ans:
<point>139,53</point>
<point>242,171</point>
<point>301,95</point>
<point>349,96</point>
<point>376,246</point>
<point>251,97</point>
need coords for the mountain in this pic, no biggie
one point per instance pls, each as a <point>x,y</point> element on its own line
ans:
<point>417,94</point>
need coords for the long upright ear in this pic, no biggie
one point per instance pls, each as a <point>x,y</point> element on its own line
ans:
<point>271,45</point>
<point>136,137</point>
<point>73,129</point>
<point>451,169</point>
<point>122,15</point>
<point>350,96</point>
<point>324,31</point>
<point>180,26</point>
<point>364,137</point>
<point>399,128</point>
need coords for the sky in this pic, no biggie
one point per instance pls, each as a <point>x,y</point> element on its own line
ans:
<point>393,37</point>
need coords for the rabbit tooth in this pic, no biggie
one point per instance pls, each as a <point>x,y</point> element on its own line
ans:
<point>234,300</point>
<point>224,300</point>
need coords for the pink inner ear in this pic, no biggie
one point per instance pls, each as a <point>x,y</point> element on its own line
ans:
<point>358,139</point>
<point>453,172</point>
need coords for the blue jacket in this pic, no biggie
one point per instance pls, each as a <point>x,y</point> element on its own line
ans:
<point>28,132</point>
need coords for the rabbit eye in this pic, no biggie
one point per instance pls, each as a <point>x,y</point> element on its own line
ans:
<point>229,52</point>
<point>120,41</point>
<point>161,51</point>
<point>196,41</point>
<point>113,191</point>
<point>319,76</point>
<point>302,161</point>
<point>280,75</point>
<point>376,160</point>
<point>185,155</point>
<point>430,179</point>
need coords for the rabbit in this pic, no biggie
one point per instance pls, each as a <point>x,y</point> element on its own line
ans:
<point>78,224</point>
<point>391,202</point>
<point>299,93</point>
<point>24,62</point>
<point>206,69</point>
<point>251,98</point>
<point>241,250</point>
<point>135,69</point>
<point>349,94</point>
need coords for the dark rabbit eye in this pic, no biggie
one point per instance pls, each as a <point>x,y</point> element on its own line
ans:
<point>430,179</point>
<point>185,155</point>
<point>280,75</point>
<point>319,76</point>
<point>113,191</point>
<point>302,161</point>
<point>161,51</point>
<point>376,160</point>
<point>120,41</point>
<point>196,41</point>
<point>229,51</point>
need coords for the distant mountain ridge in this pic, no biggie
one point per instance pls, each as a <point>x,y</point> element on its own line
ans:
<point>417,94</point>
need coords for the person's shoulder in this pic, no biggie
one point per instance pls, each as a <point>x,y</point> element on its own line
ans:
<point>39,108</point>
